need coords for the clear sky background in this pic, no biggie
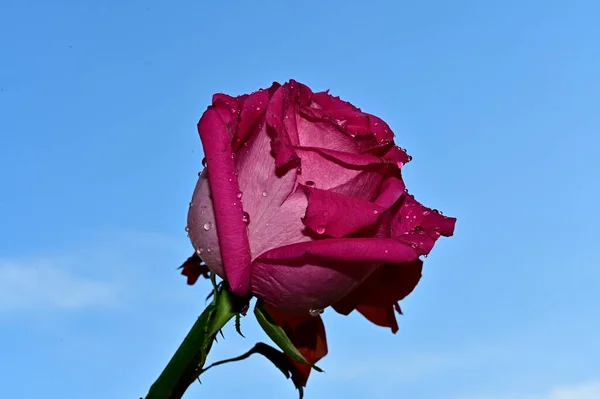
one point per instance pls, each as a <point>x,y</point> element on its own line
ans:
<point>497,101</point>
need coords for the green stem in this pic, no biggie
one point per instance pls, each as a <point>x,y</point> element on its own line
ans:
<point>191,354</point>
<point>183,368</point>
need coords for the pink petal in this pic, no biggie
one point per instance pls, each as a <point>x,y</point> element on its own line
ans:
<point>281,118</point>
<point>420,225</point>
<point>215,128</point>
<point>273,211</point>
<point>316,274</point>
<point>377,296</point>
<point>392,189</point>
<point>201,223</point>
<point>252,115</point>
<point>329,173</point>
<point>338,215</point>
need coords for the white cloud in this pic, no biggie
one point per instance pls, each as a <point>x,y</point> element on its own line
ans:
<point>44,285</point>
<point>589,390</point>
<point>585,390</point>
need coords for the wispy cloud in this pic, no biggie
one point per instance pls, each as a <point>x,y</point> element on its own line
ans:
<point>585,390</point>
<point>47,285</point>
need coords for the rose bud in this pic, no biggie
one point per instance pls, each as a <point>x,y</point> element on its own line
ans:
<point>303,205</point>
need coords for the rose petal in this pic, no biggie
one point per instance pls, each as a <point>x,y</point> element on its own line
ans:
<point>252,115</point>
<point>376,297</point>
<point>273,211</point>
<point>420,225</point>
<point>327,213</point>
<point>193,268</point>
<point>281,119</point>
<point>201,224</point>
<point>328,173</point>
<point>215,128</point>
<point>307,333</point>
<point>316,274</point>
<point>391,190</point>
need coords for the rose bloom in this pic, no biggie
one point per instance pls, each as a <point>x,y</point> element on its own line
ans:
<point>302,204</point>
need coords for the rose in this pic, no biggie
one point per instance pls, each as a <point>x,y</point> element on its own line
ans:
<point>302,204</point>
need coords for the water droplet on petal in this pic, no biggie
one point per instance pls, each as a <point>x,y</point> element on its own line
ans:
<point>425,255</point>
<point>310,183</point>
<point>187,229</point>
<point>264,193</point>
<point>413,245</point>
<point>246,218</point>
<point>325,213</point>
<point>208,250</point>
<point>315,312</point>
<point>320,230</point>
<point>207,226</point>
<point>204,162</point>
<point>199,251</point>
<point>258,108</point>
<point>375,212</point>
<point>425,213</point>
<point>239,195</point>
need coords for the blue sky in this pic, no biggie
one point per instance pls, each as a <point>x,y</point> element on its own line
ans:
<point>496,101</point>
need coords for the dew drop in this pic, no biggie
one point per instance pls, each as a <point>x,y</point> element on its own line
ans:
<point>208,250</point>
<point>425,213</point>
<point>258,108</point>
<point>204,162</point>
<point>246,218</point>
<point>325,213</point>
<point>375,212</point>
<point>199,251</point>
<point>320,230</point>
<point>425,255</point>
<point>315,312</point>
<point>187,229</point>
<point>376,124</point>
<point>264,193</point>
<point>230,179</point>
<point>207,226</point>
<point>310,183</point>
<point>239,195</point>
<point>413,245</point>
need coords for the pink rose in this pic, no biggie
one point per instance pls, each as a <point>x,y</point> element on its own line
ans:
<point>302,204</point>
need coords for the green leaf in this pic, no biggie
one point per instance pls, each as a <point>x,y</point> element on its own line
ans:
<point>278,335</point>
